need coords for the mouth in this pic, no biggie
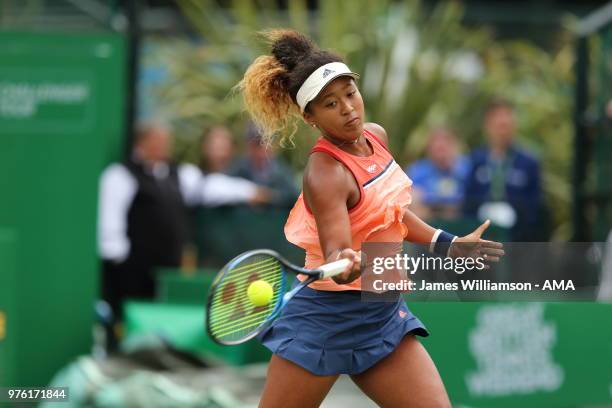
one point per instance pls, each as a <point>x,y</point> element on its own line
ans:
<point>353,121</point>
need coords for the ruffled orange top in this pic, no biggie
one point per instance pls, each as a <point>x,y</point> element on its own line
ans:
<point>385,192</point>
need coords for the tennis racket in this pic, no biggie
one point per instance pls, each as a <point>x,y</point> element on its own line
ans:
<point>232,317</point>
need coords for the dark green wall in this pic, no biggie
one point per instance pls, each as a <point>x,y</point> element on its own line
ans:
<point>61,121</point>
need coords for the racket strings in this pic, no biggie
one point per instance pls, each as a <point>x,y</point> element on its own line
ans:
<point>224,301</point>
<point>226,292</point>
<point>243,317</point>
<point>226,309</point>
<point>238,273</point>
<point>253,322</point>
<point>260,269</point>
<point>232,314</point>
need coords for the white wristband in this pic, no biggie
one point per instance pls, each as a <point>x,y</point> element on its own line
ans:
<point>434,239</point>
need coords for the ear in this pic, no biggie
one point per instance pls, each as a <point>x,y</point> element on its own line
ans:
<point>308,118</point>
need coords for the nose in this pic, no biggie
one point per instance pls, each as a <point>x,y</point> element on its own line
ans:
<point>347,106</point>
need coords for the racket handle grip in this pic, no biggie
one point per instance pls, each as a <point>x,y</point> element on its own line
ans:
<point>333,268</point>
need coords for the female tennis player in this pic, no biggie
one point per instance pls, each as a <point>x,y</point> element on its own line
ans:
<point>353,192</point>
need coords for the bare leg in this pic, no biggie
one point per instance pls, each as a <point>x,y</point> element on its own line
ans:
<point>289,385</point>
<point>405,378</point>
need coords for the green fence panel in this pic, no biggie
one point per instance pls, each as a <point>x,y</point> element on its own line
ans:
<point>61,121</point>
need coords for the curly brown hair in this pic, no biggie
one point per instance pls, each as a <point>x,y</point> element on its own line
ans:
<point>271,82</point>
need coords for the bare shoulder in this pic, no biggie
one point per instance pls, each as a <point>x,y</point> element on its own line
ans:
<point>324,176</point>
<point>377,130</point>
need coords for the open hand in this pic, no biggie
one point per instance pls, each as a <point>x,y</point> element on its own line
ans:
<point>473,246</point>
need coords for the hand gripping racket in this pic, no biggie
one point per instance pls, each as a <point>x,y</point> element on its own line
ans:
<point>231,315</point>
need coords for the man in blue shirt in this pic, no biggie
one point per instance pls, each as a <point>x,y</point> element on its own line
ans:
<point>439,178</point>
<point>503,183</point>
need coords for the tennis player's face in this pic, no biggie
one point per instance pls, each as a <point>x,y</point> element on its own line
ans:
<point>338,110</point>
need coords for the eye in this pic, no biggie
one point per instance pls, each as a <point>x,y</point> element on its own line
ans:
<point>350,94</point>
<point>331,104</point>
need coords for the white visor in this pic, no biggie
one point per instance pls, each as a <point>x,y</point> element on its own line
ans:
<point>319,79</point>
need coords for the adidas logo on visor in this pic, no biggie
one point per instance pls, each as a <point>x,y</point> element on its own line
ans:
<point>327,72</point>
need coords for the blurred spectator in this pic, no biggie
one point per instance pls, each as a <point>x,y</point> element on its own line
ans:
<point>216,150</point>
<point>439,178</point>
<point>504,181</point>
<point>142,218</point>
<point>261,165</point>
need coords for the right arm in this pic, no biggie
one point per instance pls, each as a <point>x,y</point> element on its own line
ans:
<point>328,189</point>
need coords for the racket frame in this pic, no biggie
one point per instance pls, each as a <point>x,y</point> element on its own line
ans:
<point>324,271</point>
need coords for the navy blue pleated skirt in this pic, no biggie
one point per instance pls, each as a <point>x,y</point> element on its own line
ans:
<point>330,333</point>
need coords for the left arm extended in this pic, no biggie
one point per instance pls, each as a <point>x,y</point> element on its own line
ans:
<point>419,231</point>
<point>471,245</point>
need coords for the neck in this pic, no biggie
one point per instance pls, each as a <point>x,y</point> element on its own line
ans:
<point>357,147</point>
<point>341,143</point>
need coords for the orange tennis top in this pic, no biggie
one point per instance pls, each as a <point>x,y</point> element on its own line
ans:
<point>385,191</point>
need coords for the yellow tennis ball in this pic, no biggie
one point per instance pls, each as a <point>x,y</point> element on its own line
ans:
<point>260,293</point>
